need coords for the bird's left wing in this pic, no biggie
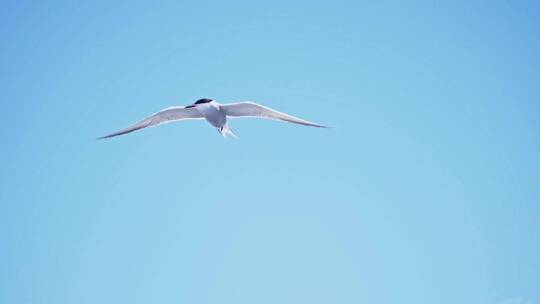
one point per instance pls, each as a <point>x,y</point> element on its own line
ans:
<point>251,109</point>
<point>163,116</point>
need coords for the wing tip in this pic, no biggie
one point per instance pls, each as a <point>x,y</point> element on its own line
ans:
<point>111,135</point>
<point>312,124</point>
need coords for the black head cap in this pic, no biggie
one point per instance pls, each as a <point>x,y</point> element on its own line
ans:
<point>204,100</point>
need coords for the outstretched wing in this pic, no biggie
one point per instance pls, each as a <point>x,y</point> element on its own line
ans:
<point>251,109</point>
<point>163,116</point>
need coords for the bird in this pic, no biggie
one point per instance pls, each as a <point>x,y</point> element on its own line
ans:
<point>214,113</point>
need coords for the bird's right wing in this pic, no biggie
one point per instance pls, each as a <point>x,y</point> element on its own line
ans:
<point>251,109</point>
<point>163,116</point>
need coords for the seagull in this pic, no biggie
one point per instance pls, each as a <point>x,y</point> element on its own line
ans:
<point>214,113</point>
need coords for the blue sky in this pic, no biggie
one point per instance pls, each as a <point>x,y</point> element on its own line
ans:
<point>424,191</point>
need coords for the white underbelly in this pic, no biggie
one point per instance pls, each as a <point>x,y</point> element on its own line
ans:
<point>213,114</point>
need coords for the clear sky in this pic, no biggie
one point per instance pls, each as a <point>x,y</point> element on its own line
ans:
<point>426,189</point>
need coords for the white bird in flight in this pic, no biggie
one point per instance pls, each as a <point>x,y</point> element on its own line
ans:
<point>216,114</point>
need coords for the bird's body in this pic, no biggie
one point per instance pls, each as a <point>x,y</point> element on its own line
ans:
<point>216,114</point>
<point>213,113</point>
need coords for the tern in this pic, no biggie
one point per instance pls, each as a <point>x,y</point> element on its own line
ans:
<point>216,114</point>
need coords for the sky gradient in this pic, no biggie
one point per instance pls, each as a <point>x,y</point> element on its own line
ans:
<point>425,189</point>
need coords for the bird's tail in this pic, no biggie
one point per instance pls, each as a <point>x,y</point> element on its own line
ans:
<point>226,130</point>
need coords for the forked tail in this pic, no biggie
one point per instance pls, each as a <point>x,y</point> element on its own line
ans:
<point>226,130</point>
